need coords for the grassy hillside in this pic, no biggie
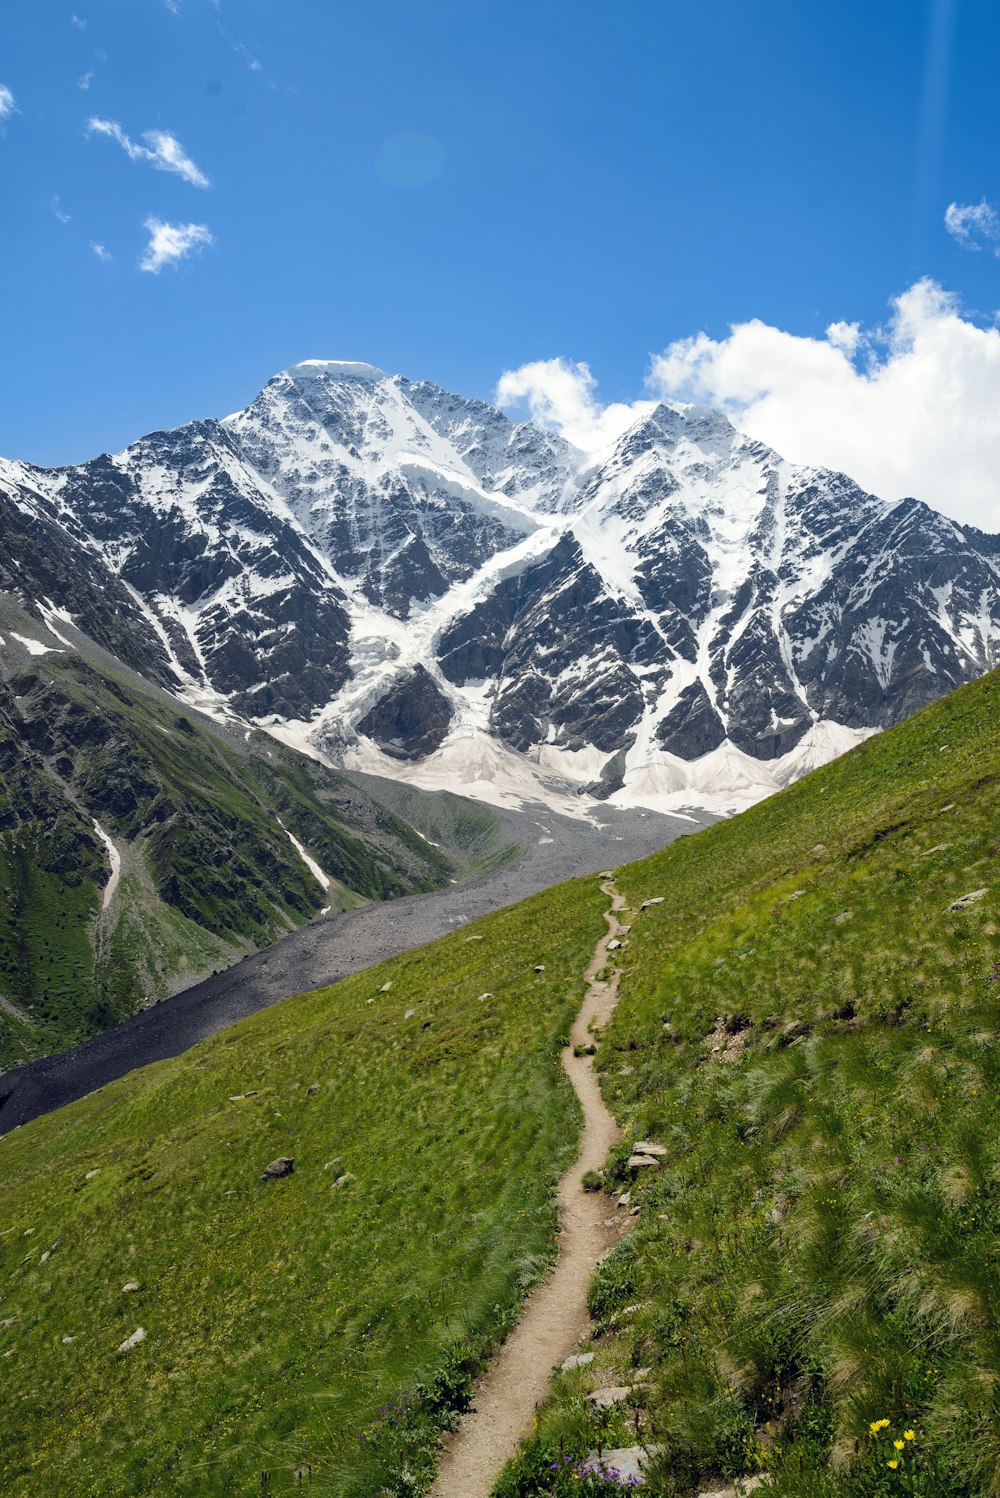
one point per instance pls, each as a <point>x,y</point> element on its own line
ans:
<point>328,1320</point>
<point>813,1031</point>
<point>808,1023</point>
<point>202,821</point>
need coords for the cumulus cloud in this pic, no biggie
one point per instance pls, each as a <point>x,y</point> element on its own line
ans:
<point>161,150</point>
<point>7,104</point>
<point>560,395</point>
<point>975,226</point>
<point>170,242</point>
<point>912,408</point>
<point>101,251</point>
<point>908,408</point>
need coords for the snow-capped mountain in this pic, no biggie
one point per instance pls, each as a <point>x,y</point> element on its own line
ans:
<point>407,581</point>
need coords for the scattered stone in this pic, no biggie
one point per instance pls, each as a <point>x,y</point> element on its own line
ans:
<point>283,1166</point>
<point>578,1360</point>
<point>940,848</point>
<point>656,900</point>
<point>67,1340</point>
<point>312,1089</point>
<point>648,1147</point>
<point>409,1014</point>
<point>45,1256</point>
<point>483,996</point>
<point>614,944</point>
<point>343,1180</point>
<point>818,848</point>
<point>624,930</point>
<point>238,1097</point>
<point>606,874</point>
<point>843,917</point>
<point>92,1173</point>
<point>626,1461</point>
<point>606,1399</point>
<point>139,1335</point>
<point>625,1200</point>
<point>972,898</point>
<point>474,938</point>
<point>130,1285</point>
<point>539,967</point>
<point>386,987</point>
<point>641,1162</point>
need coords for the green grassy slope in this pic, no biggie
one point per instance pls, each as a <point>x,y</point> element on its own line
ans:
<point>294,1323</point>
<point>805,1024</point>
<point>815,1036</point>
<point>203,820</point>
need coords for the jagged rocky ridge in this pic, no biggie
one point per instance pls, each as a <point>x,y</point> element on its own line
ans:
<point>424,587</point>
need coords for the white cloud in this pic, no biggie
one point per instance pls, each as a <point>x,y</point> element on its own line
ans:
<point>78,23</point>
<point>7,104</point>
<point>85,80</point>
<point>974,225</point>
<point>60,213</point>
<point>170,242</point>
<point>173,6</point>
<point>162,150</point>
<point>101,251</point>
<point>559,395</point>
<point>909,409</point>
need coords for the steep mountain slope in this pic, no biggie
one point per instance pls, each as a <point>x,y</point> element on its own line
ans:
<point>140,849</point>
<point>420,587</point>
<point>808,1024</point>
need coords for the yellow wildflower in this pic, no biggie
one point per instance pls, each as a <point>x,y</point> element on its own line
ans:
<point>908,1435</point>
<point>899,1445</point>
<point>893,1464</point>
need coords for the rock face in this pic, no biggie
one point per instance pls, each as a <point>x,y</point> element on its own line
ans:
<point>413,574</point>
<point>411,720</point>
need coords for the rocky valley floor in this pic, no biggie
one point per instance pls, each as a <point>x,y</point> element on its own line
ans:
<point>334,946</point>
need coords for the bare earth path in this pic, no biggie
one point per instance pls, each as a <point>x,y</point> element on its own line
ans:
<point>555,1316</point>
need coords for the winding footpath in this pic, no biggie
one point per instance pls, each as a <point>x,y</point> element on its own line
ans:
<point>555,1318</point>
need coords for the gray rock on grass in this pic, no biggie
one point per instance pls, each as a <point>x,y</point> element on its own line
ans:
<point>282,1166</point>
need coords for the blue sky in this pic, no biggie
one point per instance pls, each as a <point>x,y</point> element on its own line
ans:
<point>456,188</point>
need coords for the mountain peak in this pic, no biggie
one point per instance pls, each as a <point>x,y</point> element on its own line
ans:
<point>335,369</point>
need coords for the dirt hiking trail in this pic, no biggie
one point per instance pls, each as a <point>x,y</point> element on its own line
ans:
<point>555,1318</point>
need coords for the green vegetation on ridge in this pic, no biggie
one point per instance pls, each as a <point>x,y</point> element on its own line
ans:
<point>203,820</point>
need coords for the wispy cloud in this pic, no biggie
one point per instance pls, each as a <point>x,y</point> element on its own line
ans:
<point>101,251</point>
<point>60,212</point>
<point>173,6</point>
<point>78,22</point>
<point>7,103</point>
<point>161,150</point>
<point>85,80</point>
<point>170,242</point>
<point>976,226</point>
